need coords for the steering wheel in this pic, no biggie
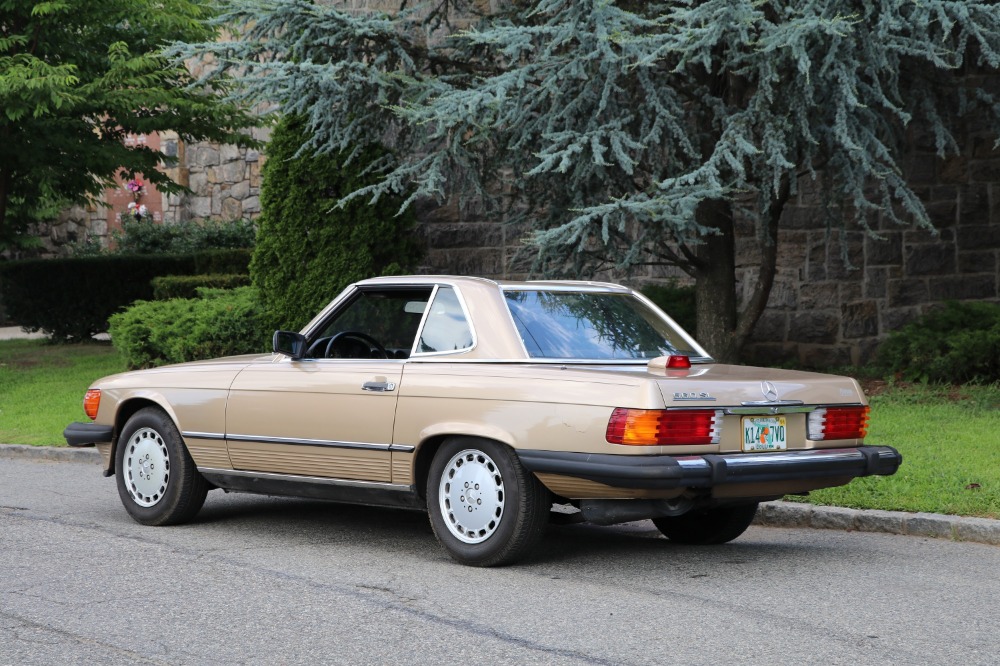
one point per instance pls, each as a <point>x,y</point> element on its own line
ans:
<point>356,335</point>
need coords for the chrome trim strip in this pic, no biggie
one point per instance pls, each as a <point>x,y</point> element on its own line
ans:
<point>350,483</point>
<point>366,446</point>
<point>203,435</point>
<point>551,361</point>
<point>687,337</point>
<point>395,448</point>
<point>750,460</point>
<point>764,408</point>
<point>770,403</point>
<point>569,285</point>
<point>423,322</point>
<point>786,407</point>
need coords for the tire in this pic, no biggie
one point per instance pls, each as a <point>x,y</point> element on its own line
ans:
<point>157,480</point>
<point>708,526</point>
<point>502,515</point>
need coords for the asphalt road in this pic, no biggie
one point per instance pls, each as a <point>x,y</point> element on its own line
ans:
<point>278,581</point>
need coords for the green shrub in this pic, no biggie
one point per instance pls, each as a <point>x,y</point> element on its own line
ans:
<point>678,302</point>
<point>186,286</point>
<point>147,237</point>
<point>307,249</point>
<point>220,323</point>
<point>958,343</point>
<point>72,298</point>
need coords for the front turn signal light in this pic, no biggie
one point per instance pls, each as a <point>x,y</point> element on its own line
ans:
<point>91,402</point>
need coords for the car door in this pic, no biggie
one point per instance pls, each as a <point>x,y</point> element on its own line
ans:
<point>330,414</point>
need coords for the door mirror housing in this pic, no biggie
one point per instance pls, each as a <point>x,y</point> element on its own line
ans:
<point>290,343</point>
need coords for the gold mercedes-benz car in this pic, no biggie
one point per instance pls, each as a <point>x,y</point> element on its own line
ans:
<point>490,405</point>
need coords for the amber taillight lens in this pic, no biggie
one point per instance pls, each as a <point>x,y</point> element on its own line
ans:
<point>91,401</point>
<point>839,422</point>
<point>656,427</point>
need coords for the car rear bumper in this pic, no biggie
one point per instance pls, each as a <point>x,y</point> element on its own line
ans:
<point>706,471</point>
<point>87,434</point>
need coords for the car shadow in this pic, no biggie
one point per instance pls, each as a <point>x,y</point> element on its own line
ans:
<point>267,521</point>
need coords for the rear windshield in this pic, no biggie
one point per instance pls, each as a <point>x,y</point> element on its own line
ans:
<point>592,326</point>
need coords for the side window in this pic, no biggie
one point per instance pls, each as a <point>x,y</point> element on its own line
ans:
<point>374,321</point>
<point>446,327</point>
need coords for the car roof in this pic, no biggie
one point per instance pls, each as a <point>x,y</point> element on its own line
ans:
<point>458,280</point>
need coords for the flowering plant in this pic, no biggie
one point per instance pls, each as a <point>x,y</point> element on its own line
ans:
<point>136,211</point>
<point>135,187</point>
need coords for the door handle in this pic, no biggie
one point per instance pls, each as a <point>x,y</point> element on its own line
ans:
<point>378,387</point>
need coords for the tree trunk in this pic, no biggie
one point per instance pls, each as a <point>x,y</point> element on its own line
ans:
<point>722,328</point>
<point>715,282</point>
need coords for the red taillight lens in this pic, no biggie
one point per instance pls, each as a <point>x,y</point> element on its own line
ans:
<point>655,427</point>
<point>681,362</point>
<point>91,402</point>
<point>838,423</point>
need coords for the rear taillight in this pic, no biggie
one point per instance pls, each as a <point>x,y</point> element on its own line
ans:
<point>91,403</point>
<point>838,423</point>
<point>655,427</point>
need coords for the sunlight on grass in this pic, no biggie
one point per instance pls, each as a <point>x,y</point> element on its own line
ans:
<point>42,387</point>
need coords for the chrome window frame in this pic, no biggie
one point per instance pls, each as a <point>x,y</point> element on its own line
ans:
<point>414,354</point>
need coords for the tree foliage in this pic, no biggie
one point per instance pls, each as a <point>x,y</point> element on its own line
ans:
<point>628,133</point>
<point>77,77</point>
<point>307,249</point>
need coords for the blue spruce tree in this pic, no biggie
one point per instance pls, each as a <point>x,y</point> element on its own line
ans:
<point>632,133</point>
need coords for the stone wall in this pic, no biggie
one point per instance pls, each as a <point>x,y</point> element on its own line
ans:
<point>822,311</point>
<point>224,184</point>
<point>224,181</point>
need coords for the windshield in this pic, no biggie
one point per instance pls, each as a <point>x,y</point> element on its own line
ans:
<point>592,326</point>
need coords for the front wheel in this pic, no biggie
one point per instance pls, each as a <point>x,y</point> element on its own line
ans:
<point>708,526</point>
<point>157,479</point>
<point>485,508</point>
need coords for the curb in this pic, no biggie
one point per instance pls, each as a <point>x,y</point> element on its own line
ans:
<point>770,514</point>
<point>934,525</point>
<point>57,453</point>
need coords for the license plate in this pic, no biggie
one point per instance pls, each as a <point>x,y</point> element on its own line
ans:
<point>764,433</point>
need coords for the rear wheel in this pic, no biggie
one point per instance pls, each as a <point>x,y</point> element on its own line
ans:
<point>708,526</point>
<point>485,508</point>
<point>157,479</point>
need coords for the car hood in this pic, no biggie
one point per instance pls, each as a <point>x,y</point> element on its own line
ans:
<point>217,372</point>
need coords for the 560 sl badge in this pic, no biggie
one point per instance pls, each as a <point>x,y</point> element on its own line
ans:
<point>692,395</point>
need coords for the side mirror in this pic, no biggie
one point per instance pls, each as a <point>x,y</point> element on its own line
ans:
<point>290,344</point>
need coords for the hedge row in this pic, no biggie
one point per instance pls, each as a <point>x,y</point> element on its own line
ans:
<point>72,298</point>
<point>186,286</point>
<point>218,323</point>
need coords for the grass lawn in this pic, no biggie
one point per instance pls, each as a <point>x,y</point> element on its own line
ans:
<point>42,387</point>
<point>950,441</point>
<point>949,436</point>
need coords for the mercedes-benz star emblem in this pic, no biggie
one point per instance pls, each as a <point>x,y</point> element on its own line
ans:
<point>769,390</point>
